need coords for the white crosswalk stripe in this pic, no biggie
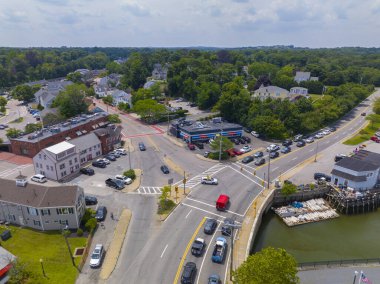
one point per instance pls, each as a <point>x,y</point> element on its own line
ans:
<point>149,190</point>
<point>194,181</point>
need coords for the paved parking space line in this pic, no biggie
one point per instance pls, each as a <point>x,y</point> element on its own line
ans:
<point>163,252</point>
<point>275,169</point>
<point>213,206</point>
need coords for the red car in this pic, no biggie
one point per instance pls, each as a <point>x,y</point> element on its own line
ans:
<point>375,139</point>
<point>231,153</point>
<point>191,146</point>
<point>237,152</point>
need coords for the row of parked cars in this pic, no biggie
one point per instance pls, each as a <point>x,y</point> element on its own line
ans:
<point>111,156</point>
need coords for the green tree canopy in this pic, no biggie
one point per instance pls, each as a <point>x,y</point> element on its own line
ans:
<point>226,143</point>
<point>376,106</point>
<point>149,110</point>
<point>108,100</point>
<point>114,118</point>
<point>31,127</point>
<point>25,92</point>
<point>74,77</point>
<point>71,101</point>
<point>13,132</point>
<point>269,266</point>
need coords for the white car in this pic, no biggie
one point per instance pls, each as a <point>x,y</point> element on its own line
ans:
<point>318,136</point>
<point>121,151</point>
<point>273,148</point>
<point>309,140</point>
<point>255,134</point>
<point>123,178</point>
<point>97,256</point>
<point>209,180</point>
<point>246,149</point>
<point>104,160</point>
<point>39,178</point>
<point>377,134</point>
<point>326,132</point>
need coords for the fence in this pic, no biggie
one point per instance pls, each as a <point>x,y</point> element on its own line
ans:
<point>338,263</point>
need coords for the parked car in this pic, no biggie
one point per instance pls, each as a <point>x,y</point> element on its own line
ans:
<point>115,153</point>
<point>121,151</point>
<point>142,146</point>
<point>90,200</point>
<point>318,135</point>
<point>101,213</point>
<point>273,148</point>
<point>287,142</point>
<point>110,157</point>
<point>332,128</point>
<point>99,164</point>
<point>231,153</point>
<point>104,160</point>
<point>339,157</point>
<point>273,155</point>
<point>285,150</point>
<point>191,146</point>
<point>214,279</point>
<point>301,143</point>
<point>39,178</point>
<point>375,139</point>
<point>247,139</point>
<point>247,129</point>
<point>124,179</point>
<point>236,141</point>
<point>237,152</point>
<point>199,145</point>
<point>260,162</point>
<point>97,256</point>
<point>205,154</point>
<point>258,154</point>
<point>210,226</point>
<point>209,180</point>
<point>246,149</point>
<point>377,134</point>
<point>326,132</point>
<point>255,134</point>
<point>198,247</point>
<point>115,183</point>
<point>298,137</point>
<point>247,159</point>
<point>363,114</point>
<point>318,176</point>
<point>242,141</point>
<point>165,169</point>
<point>189,272</point>
<point>87,171</point>
<point>309,140</point>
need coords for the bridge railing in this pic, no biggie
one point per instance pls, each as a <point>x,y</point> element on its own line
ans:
<point>337,263</point>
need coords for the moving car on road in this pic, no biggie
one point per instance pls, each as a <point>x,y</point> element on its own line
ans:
<point>210,226</point>
<point>97,256</point>
<point>198,247</point>
<point>189,272</point>
<point>222,202</point>
<point>220,250</point>
<point>87,171</point>
<point>142,146</point>
<point>214,279</point>
<point>247,160</point>
<point>165,169</point>
<point>209,180</point>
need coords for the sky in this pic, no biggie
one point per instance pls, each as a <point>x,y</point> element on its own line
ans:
<point>184,23</point>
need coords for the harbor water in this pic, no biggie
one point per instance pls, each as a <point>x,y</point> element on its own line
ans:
<point>346,237</point>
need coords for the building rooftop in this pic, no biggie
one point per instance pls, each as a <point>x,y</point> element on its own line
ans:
<point>85,141</point>
<point>60,127</point>
<point>208,126</point>
<point>361,161</point>
<point>271,89</point>
<point>60,147</point>
<point>36,195</point>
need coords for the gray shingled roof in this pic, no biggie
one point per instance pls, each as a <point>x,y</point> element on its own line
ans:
<point>348,176</point>
<point>362,161</point>
<point>85,141</point>
<point>36,195</point>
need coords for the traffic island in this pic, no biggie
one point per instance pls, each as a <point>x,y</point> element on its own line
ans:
<point>114,249</point>
<point>135,184</point>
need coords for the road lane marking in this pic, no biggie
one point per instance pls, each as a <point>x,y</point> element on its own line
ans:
<point>311,150</point>
<point>213,206</point>
<point>162,254</point>
<point>187,250</point>
<point>244,175</point>
<point>274,169</point>
<point>294,159</point>
<point>208,247</point>
<point>188,213</point>
<point>208,212</point>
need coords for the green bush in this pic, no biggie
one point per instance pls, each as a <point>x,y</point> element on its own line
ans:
<point>79,232</point>
<point>88,214</point>
<point>312,186</point>
<point>90,225</point>
<point>130,173</point>
<point>215,156</point>
<point>164,206</point>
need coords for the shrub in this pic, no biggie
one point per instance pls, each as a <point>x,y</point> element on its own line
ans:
<point>215,156</point>
<point>79,232</point>
<point>88,214</point>
<point>288,189</point>
<point>312,186</point>
<point>130,173</point>
<point>164,206</point>
<point>91,225</point>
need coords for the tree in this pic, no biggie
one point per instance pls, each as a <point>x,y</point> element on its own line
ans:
<point>51,118</point>
<point>149,110</point>
<point>13,132</point>
<point>24,92</point>
<point>373,118</point>
<point>208,95</point>
<point>269,126</point>
<point>3,102</point>
<point>74,77</point>
<point>288,188</point>
<point>142,94</point>
<point>19,273</point>
<point>226,143</point>
<point>114,118</point>
<point>376,106</point>
<point>270,266</point>
<point>108,100</point>
<point>31,127</point>
<point>71,101</point>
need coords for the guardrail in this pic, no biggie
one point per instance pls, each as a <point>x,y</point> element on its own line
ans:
<point>337,263</point>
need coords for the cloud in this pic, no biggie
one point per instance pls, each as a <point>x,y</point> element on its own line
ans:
<point>136,10</point>
<point>14,16</point>
<point>240,1</point>
<point>69,19</point>
<point>55,2</point>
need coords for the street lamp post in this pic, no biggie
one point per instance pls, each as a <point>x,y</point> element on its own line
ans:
<point>232,226</point>
<point>268,171</point>
<point>356,275</point>
<point>129,157</point>
<point>316,152</point>
<point>42,267</point>
<point>68,245</point>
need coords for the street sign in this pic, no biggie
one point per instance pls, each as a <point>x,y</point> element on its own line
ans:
<point>170,181</point>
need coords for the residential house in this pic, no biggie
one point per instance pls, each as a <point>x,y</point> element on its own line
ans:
<point>304,76</point>
<point>159,72</point>
<point>101,90</point>
<point>273,92</point>
<point>150,84</point>
<point>360,172</point>
<point>41,207</point>
<point>120,60</point>
<point>88,147</point>
<point>299,91</point>
<point>110,137</point>
<point>50,91</point>
<point>120,96</point>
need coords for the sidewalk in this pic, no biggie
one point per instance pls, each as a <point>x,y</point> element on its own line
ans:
<point>113,252</point>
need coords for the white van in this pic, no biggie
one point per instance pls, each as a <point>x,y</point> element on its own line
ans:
<point>39,178</point>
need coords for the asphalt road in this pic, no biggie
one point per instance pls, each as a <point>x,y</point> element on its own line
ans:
<point>154,251</point>
<point>15,110</point>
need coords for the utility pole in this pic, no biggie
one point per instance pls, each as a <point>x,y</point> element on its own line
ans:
<point>220,146</point>
<point>184,182</point>
<point>129,157</point>
<point>232,226</point>
<point>168,122</point>
<point>68,246</point>
<point>268,170</point>
<point>316,152</point>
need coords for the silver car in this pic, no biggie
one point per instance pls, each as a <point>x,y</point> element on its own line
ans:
<point>97,256</point>
<point>209,180</point>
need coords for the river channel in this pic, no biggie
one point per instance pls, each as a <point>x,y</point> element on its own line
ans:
<point>346,237</point>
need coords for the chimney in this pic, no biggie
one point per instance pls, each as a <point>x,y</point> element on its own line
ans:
<point>21,180</point>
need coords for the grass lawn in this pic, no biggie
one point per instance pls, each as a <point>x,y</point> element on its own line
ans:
<point>315,97</point>
<point>17,120</point>
<point>30,246</point>
<point>364,135</point>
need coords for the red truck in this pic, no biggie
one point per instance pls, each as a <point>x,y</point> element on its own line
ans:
<point>222,202</point>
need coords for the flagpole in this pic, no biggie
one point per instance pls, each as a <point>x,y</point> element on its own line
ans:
<point>360,277</point>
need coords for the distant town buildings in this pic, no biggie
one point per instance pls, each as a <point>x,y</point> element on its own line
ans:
<point>273,92</point>
<point>159,72</point>
<point>304,76</point>
<point>50,91</point>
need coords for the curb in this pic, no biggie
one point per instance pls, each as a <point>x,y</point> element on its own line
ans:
<point>114,249</point>
<point>174,141</point>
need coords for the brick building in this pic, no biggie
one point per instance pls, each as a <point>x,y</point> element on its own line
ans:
<point>110,137</point>
<point>31,144</point>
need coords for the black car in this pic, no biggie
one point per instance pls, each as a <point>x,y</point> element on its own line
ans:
<point>247,139</point>
<point>87,171</point>
<point>193,105</point>
<point>99,164</point>
<point>101,213</point>
<point>110,157</point>
<point>247,160</point>
<point>287,142</point>
<point>241,140</point>
<point>247,129</point>
<point>339,157</point>
<point>260,162</point>
<point>286,149</point>
<point>298,137</point>
<point>210,226</point>
<point>274,155</point>
<point>301,143</point>
<point>258,154</point>
<point>90,200</point>
<point>115,183</point>
<point>226,229</point>
<point>318,176</point>
<point>165,169</point>
<point>199,145</point>
<point>188,274</point>
<point>236,141</point>
<point>142,146</point>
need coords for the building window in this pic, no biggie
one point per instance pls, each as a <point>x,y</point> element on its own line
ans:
<point>62,166</point>
<point>65,211</point>
<point>70,162</point>
<point>70,151</point>
<point>45,212</point>
<point>63,174</point>
<point>47,167</point>
<point>37,165</point>
<point>76,160</point>
<point>76,166</point>
<point>64,222</point>
<point>39,156</point>
<point>51,168</point>
<point>44,157</point>
<point>37,223</point>
<point>32,211</point>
